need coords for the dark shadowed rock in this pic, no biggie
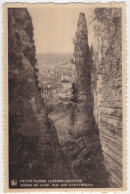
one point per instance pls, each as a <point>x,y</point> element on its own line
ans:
<point>33,144</point>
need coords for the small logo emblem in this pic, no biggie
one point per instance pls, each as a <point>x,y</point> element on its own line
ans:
<point>14,183</point>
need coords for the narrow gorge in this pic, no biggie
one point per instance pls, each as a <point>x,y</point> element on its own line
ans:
<point>65,111</point>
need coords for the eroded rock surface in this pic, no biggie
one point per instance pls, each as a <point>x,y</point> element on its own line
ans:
<point>34,146</point>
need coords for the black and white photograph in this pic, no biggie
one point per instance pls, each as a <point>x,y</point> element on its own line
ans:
<point>66,96</point>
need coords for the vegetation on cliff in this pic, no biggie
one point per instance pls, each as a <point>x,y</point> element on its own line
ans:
<point>107,77</point>
<point>75,98</point>
<point>33,145</point>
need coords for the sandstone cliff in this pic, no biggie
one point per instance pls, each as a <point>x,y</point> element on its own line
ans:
<point>83,104</point>
<point>107,85</point>
<point>33,144</point>
<point>99,87</point>
<point>83,65</point>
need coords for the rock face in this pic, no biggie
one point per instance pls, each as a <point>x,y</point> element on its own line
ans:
<point>83,62</point>
<point>107,60</point>
<point>33,143</point>
<point>83,117</point>
<point>96,112</point>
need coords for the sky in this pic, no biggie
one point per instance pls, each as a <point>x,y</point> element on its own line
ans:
<point>55,27</point>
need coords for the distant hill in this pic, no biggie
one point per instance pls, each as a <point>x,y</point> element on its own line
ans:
<point>53,58</point>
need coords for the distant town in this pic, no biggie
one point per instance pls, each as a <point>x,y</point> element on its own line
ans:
<point>56,81</point>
